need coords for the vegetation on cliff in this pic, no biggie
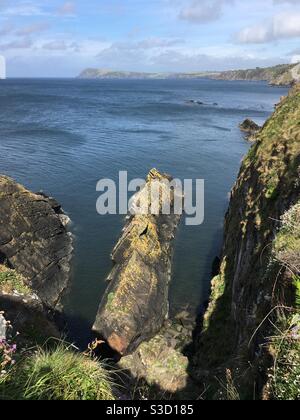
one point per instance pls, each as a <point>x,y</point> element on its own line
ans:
<point>277,75</point>
<point>284,375</point>
<point>56,374</point>
<point>249,346</point>
<point>11,282</point>
<point>254,296</point>
<point>32,365</point>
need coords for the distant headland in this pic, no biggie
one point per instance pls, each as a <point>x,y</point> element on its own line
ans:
<point>280,75</point>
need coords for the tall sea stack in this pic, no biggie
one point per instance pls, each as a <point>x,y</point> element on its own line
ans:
<point>135,304</point>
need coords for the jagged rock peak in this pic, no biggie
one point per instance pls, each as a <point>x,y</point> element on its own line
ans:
<point>135,304</point>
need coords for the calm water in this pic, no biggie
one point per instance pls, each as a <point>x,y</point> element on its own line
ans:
<point>62,136</point>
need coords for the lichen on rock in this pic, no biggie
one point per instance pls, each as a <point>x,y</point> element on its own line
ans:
<point>258,230</point>
<point>34,241</point>
<point>158,364</point>
<point>135,304</point>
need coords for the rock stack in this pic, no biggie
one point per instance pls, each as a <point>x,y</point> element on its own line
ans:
<point>135,305</point>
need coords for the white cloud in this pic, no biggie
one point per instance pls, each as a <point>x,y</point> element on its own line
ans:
<point>32,29</point>
<point>6,29</point>
<point>146,44</point>
<point>180,59</point>
<point>203,11</point>
<point>61,45</point>
<point>294,52</point>
<point>286,1</point>
<point>17,45</point>
<point>295,59</point>
<point>67,9</point>
<point>164,35</point>
<point>286,25</point>
<point>282,26</point>
<point>31,8</point>
<point>22,9</point>
<point>255,34</point>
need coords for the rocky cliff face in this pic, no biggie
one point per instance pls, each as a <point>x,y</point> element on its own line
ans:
<point>253,282</point>
<point>135,304</point>
<point>287,78</point>
<point>34,240</point>
<point>31,322</point>
<point>281,75</point>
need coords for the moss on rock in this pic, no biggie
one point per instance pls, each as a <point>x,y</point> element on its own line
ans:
<point>256,272</point>
<point>11,282</point>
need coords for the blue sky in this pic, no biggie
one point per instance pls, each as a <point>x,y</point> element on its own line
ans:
<point>57,38</point>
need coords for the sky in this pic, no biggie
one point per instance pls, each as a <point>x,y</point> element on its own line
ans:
<point>58,38</point>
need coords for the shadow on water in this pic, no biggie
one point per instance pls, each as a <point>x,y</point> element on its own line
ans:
<point>78,331</point>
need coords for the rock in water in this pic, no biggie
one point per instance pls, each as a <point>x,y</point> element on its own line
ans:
<point>135,304</point>
<point>34,241</point>
<point>249,127</point>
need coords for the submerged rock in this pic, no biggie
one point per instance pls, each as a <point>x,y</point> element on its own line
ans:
<point>194,102</point>
<point>135,304</point>
<point>34,241</point>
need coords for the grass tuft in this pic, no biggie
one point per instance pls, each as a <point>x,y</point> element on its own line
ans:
<point>59,374</point>
<point>11,281</point>
<point>296,282</point>
<point>287,243</point>
<point>284,377</point>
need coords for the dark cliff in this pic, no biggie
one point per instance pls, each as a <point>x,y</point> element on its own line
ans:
<point>259,275</point>
<point>34,240</point>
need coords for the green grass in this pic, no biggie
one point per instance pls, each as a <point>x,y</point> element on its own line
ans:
<point>268,179</point>
<point>110,299</point>
<point>284,377</point>
<point>287,243</point>
<point>11,281</point>
<point>216,340</point>
<point>59,374</point>
<point>271,186</point>
<point>228,390</point>
<point>271,193</point>
<point>296,281</point>
<point>268,73</point>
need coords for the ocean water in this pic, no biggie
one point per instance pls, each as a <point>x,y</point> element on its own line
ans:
<point>62,136</point>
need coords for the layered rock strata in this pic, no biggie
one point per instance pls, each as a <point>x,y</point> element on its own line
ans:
<point>135,304</point>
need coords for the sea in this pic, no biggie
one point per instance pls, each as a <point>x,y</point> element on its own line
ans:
<point>61,136</point>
